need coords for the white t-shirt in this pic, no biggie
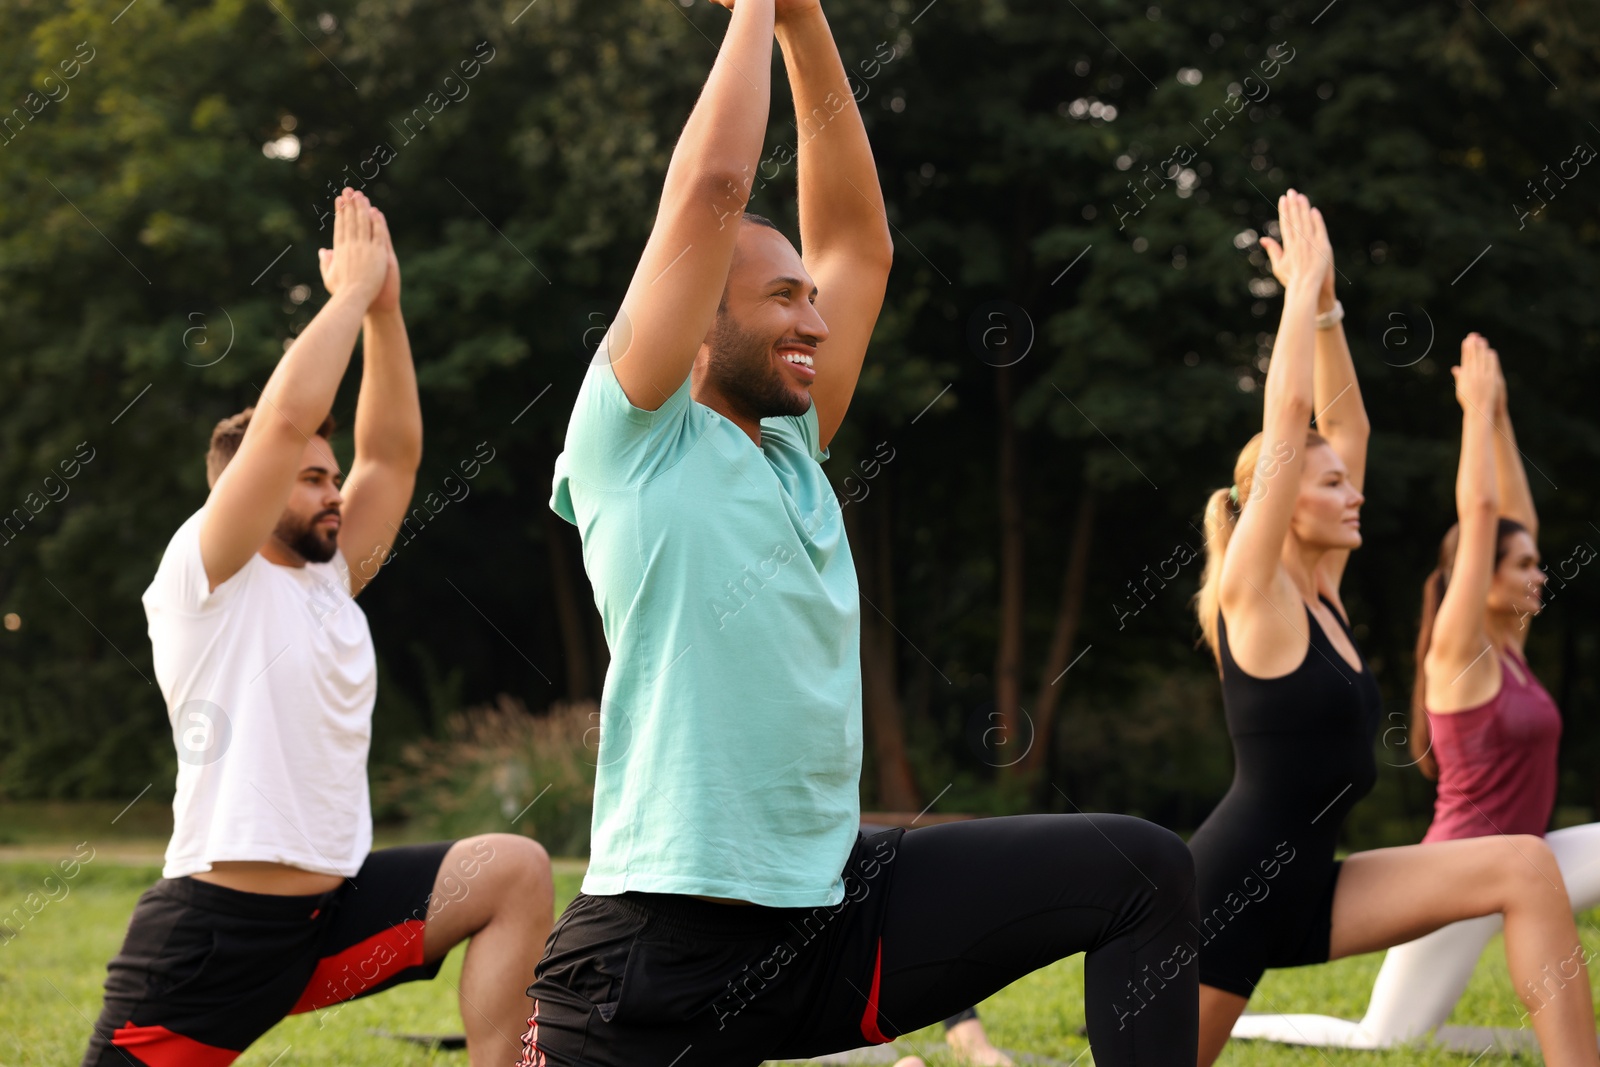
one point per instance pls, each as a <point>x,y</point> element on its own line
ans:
<point>269,681</point>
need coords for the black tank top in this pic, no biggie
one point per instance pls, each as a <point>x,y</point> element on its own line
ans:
<point>1264,858</point>
<point>1302,742</point>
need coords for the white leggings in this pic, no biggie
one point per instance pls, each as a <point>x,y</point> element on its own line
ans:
<point>1421,980</point>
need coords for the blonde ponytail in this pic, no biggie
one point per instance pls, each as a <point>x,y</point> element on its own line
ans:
<point>1222,516</point>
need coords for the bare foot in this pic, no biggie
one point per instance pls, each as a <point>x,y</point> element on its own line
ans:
<point>971,1045</point>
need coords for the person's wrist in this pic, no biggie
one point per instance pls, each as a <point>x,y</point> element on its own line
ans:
<point>350,296</point>
<point>354,299</point>
<point>790,20</point>
<point>1301,291</point>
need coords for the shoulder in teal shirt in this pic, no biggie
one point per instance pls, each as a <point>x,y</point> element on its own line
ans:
<point>730,754</point>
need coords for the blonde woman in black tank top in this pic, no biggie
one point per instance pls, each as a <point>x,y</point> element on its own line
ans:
<point>1301,708</point>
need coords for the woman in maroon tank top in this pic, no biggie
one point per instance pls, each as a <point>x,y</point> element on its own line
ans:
<point>1490,733</point>
<point>1482,725</point>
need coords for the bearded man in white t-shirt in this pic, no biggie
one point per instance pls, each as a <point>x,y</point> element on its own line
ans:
<point>271,901</point>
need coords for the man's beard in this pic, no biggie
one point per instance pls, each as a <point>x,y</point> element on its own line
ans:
<point>305,539</point>
<point>742,367</point>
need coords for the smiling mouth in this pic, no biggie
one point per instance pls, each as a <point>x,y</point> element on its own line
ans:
<point>800,364</point>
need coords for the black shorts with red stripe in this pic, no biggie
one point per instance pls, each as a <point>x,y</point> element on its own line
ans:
<point>206,970</point>
<point>638,977</point>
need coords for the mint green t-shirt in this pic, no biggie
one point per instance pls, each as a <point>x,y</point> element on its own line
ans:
<point>730,724</point>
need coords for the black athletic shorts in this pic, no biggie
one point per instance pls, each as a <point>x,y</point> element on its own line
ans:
<point>206,970</point>
<point>664,972</point>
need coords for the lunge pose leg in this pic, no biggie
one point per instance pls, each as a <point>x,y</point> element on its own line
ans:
<point>271,901</point>
<point>732,911</point>
<point>1482,726</point>
<point>964,1031</point>
<point>1302,708</point>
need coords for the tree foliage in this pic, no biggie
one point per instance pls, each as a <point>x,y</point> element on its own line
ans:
<point>1094,174</point>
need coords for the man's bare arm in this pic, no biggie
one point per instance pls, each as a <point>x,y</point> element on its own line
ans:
<point>673,298</point>
<point>251,493</point>
<point>844,232</point>
<point>388,433</point>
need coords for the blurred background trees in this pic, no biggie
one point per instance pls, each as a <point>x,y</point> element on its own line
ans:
<point>1069,358</point>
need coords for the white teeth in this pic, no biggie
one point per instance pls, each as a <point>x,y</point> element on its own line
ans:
<point>795,357</point>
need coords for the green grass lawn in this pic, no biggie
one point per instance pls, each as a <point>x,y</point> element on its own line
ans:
<point>51,974</point>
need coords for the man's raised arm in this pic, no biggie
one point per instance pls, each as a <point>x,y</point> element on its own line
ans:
<point>844,233</point>
<point>678,284</point>
<point>251,493</point>
<point>388,432</point>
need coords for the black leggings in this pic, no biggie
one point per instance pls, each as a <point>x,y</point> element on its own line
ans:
<point>977,905</point>
<point>933,922</point>
<point>970,1011</point>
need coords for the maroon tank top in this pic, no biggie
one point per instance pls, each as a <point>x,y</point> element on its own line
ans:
<point>1497,762</point>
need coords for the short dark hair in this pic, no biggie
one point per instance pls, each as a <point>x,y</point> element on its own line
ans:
<point>755,220</point>
<point>230,431</point>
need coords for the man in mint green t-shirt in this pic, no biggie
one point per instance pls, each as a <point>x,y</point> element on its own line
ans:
<point>728,594</point>
<point>732,910</point>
